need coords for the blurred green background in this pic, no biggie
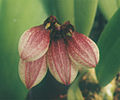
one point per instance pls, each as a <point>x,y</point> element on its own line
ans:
<point>15,17</point>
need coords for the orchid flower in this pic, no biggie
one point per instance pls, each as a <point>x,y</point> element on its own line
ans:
<point>57,47</point>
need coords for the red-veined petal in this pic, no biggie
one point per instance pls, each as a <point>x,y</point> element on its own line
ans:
<point>59,63</point>
<point>31,73</point>
<point>34,43</point>
<point>82,50</point>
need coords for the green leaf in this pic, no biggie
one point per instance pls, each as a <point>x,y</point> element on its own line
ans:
<point>85,11</point>
<point>108,7</point>
<point>65,10</point>
<point>49,6</point>
<point>16,16</point>
<point>62,9</point>
<point>109,45</point>
<point>118,3</point>
<point>0,4</point>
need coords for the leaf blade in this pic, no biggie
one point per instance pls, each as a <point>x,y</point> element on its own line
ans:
<point>85,11</point>
<point>108,8</point>
<point>108,43</point>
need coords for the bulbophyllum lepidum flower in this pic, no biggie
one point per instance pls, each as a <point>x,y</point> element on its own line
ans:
<point>58,47</point>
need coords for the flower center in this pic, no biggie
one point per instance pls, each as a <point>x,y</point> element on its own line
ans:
<point>58,31</point>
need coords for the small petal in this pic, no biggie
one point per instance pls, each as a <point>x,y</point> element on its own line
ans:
<point>34,43</point>
<point>59,63</point>
<point>31,73</point>
<point>82,50</point>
